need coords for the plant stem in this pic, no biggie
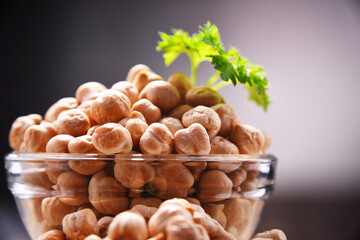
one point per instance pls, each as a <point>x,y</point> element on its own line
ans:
<point>213,79</point>
<point>221,85</point>
<point>193,72</point>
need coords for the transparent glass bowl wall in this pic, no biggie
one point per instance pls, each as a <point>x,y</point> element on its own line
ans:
<point>32,177</point>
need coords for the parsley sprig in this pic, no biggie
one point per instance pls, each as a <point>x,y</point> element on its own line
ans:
<point>206,45</point>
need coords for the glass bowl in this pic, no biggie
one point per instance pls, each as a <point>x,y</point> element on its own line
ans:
<point>231,188</point>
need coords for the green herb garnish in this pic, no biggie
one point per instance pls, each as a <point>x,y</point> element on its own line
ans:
<point>231,67</point>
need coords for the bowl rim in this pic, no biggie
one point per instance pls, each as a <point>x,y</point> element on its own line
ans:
<point>28,156</point>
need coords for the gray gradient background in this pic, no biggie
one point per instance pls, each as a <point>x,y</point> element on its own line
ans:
<point>310,50</point>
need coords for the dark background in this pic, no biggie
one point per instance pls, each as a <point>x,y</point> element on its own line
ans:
<point>49,48</point>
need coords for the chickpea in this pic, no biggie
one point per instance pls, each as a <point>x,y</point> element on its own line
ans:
<point>159,220</point>
<point>238,177</point>
<point>173,180</point>
<point>73,122</point>
<point>220,145</point>
<point>93,237</point>
<point>104,224</point>
<point>162,94</point>
<point>36,137</point>
<point>274,234</point>
<point>144,77</point>
<point>216,211</point>
<point>248,139</point>
<point>228,118</point>
<point>159,236</point>
<point>182,84</point>
<point>19,127</point>
<point>136,128</point>
<point>179,202</point>
<point>92,130</point>
<point>133,174</point>
<point>107,195</point>
<point>128,225</point>
<point>181,228</point>
<point>237,212</point>
<point>267,142</point>
<point>36,177</point>
<point>72,188</point>
<point>60,106</point>
<point>86,108</point>
<point>203,95</point>
<point>206,117</point>
<point>151,112</point>
<point>212,226</point>
<point>149,202</point>
<point>52,235</point>
<point>157,139</point>
<point>144,211</point>
<point>59,144</point>
<point>133,115</point>
<point>89,91</point>
<point>214,185</point>
<point>80,224</point>
<point>173,124</point>
<point>54,173</point>
<point>128,89</point>
<point>193,201</point>
<point>192,140</point>
<point>179,111</point>
<point>53,210</point>
<point>110,106</point>
<point>112,138</point>
<point>86,167</point>
<point>135,70</point>
<point>225,167</point>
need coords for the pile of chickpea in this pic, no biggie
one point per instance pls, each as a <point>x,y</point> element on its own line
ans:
<point>147,115</point>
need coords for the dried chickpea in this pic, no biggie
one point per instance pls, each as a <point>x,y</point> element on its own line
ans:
<point>196,168</point>
<point>248,139</point>
<point>214,229</point>
<point>73,122</point>
<point>179,202</point>
<point>182,84</point>
<point>238,177</point>
<point>59,144</point>
<point>192,140</point>
<point>80,224</point>
<point>52,235</point>
<point>128,225</point>
<point>54,173</point>
<point>107,195</point>
<point>110,106</point>
<point>144,77</point>
<point>61,105</point>
<point>144,211</point>
<point>92,130</point>
<point>157,139</point>
<point>274,234</point>
<point>72,188</point>
<point>36,177</point>
<point>237,212</point>
<point>228,118</point>
<point>181,228</point>
<point>104,224</point>
<point>203,95</point>
<point>151,112</point>
<point>220,145</point>
<point>214,185</point>
<point>206,116</point>
<point>173,180</point>
<point>89,91</point>
<point>112,138</point>
<point>267,142</point>
<point>173,124</point>
<point>54,210</point>
<point>86,108</point>
<point>93,237</point>
<point>179,111</point>
<point>135,70</point>
<point>36,137</point>
<point>128,89</point>
<point>19,127</point>
<point>225,167</point>
<point>133,174</point>
<point>159,220</point>
<point>136,128</point>
<point>216,211</point>
<point>162,94</point>
<point>193,201</point>
<point>149,202</point>
<point>159,236</point>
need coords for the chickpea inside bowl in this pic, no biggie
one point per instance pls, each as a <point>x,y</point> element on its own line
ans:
<point>226,193</point>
